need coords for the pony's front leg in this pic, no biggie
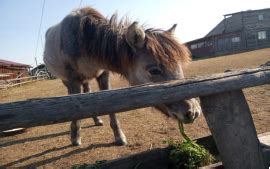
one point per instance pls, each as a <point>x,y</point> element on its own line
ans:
<point>87,89</point>
<point>120,137</point>
<point>75,126</point>
<point>104,84</point>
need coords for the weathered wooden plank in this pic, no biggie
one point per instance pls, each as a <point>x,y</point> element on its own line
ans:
<point>229,119</point>
<point>20,81</point>
<point>22,78</point>
<point>47,111</point>
<point>213,166</point>
<point>266,156</point>
<point>159,158</point>
<point>265,142</point>
<point>152,159</point>
<point>265,138</point>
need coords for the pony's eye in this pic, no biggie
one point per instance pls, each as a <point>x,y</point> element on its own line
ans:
<point>155,72</point>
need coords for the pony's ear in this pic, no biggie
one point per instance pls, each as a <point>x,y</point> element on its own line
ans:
<point>172,29</point>
<point>135,36</point>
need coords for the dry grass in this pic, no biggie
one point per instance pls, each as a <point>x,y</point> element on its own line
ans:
<point>49,146</point>
<point>45,88</point>
<point>236,61</point>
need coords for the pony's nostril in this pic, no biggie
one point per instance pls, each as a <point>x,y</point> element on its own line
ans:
<point>189,115</point>
<point>197,113</point>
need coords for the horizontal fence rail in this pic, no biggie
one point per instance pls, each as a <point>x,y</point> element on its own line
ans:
<point>4,84</point>
<point>37,112</point>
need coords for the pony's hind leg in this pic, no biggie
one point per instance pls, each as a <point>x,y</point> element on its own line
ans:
<point>75,126</point>
<point>75,134</point>
<point>104,84</point>
<point>87,89</point>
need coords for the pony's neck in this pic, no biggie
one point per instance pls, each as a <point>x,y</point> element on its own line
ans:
<point>107,44</point>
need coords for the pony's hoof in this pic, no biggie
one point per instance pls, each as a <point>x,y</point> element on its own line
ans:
<point>121,142</point>
<point>99,123</point>
<point>76,142</point>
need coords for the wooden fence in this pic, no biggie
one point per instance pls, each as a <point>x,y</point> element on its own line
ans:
<point>223,103</point>
<point>4,84</point>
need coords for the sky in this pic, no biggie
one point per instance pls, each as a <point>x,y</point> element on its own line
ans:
<point>20,19</point>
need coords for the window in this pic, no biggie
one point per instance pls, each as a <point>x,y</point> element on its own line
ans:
<point>201,44</point>
<point>235,39</point>
<point>209,43</point>
<point>260,17</point>
<point>262,35</point>
<point>194,46</point>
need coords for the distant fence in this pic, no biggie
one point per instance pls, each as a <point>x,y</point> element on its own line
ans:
<point>4,84</point>
<point>223,103</point>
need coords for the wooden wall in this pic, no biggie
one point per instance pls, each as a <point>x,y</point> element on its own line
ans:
<point>218,45</point>
<point>252,26</point>
<point>13,71</point>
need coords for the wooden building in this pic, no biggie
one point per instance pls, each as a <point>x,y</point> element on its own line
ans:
<point>237,32</point>
<point>12,70</point>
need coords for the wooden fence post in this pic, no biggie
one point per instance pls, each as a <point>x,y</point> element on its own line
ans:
<point>229,119</point>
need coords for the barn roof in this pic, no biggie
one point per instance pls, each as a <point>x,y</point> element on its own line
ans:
<point>228,18</point>
<point>10,63</point>
<point>250,10</point>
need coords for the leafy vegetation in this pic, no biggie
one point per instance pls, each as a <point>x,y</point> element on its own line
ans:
<point>188,154</point>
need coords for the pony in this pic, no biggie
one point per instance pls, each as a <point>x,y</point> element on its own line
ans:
<point>86,45</point>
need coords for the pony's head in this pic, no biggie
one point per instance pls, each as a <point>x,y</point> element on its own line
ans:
<point>158,56</point>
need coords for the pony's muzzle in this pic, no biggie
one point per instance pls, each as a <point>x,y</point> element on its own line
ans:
<point>193,112</point>
<point>186,111</point>
<point>191,115</point>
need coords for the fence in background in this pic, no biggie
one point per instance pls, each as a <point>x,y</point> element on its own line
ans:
<point>4,84</point>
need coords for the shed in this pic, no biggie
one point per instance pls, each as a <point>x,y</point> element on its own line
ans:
<point>237,32</point>
<point>11,70</point>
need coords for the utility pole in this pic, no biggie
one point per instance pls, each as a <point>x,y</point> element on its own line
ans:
<point>36,61</point>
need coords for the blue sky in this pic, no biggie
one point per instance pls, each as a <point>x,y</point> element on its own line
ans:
<point>20,19</point>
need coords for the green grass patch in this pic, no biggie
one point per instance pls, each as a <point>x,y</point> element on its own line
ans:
<point>188,154</point>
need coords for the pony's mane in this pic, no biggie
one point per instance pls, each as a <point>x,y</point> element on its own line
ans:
<point>104,38</point>
<point>166,48</point>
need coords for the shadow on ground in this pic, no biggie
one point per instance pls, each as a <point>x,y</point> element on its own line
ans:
<point>44,162</point>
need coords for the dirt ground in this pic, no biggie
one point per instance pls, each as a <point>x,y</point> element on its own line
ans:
<point>49,146</point>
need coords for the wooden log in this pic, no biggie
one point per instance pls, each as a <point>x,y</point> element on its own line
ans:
<point>16,82</point>
<point>152,159</point>
<point>159,158</point>
<point>12,132</point>
<point>265,142</point>
<point>217,165</point>
<point>36,112</point>
<point>21,78</point>
<point>229,119</point>
<point>25,78</point>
